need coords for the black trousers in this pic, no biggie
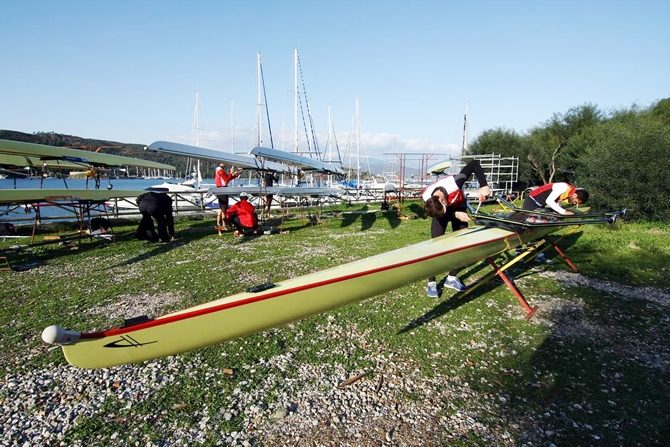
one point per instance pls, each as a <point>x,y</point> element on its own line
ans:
<point>439,226</point>
<point>159,207</point>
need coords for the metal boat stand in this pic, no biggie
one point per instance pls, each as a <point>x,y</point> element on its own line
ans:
<point>530,252</point>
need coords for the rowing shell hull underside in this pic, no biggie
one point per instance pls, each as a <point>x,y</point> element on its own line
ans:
<point>246,313</point>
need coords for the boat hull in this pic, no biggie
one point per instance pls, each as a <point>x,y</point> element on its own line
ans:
<point>248,312</point>
<point>29,195</point>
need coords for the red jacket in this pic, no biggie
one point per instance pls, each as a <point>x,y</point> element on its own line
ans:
<point>222,178</point>
<point>245,211</point>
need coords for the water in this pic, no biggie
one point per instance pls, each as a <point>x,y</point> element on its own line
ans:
<point>55,183</point>
<point>21,214</point>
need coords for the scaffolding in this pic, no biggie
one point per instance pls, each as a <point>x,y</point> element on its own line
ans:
<point>501,172</point>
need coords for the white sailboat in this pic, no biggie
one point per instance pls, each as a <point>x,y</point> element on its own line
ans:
<point>191,194</point>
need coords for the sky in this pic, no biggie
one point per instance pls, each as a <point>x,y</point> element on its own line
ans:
<point>391,77</point>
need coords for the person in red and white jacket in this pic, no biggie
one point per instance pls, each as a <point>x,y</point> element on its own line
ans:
<point>221,179</point>
<point>551,194</point>
<point>445,202</point>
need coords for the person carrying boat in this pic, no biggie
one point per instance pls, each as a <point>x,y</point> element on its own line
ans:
<point>221,179</point>
<point>445,202</point>
<point>159,206</point>
<point>551,194</point>
<point>243,216</point>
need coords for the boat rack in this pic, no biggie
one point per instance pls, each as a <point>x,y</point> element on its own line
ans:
<point>523,221</point>
<point>529,253</point>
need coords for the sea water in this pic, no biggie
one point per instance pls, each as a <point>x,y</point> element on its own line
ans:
<point>56,183</point>
<point>26,214</point>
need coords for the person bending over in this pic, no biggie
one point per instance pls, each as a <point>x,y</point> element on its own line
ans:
<point>551,194</point>
<point>446,203</point>
<point>159,206</point>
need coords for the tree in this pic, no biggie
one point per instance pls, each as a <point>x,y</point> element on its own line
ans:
<point>548,153</point>
<point>661,111</point>
<point>496,141</point>
<point>624,164</point>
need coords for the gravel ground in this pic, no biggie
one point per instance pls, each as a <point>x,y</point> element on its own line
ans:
<point>320,405</point>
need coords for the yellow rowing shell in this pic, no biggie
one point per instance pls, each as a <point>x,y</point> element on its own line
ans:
<point>249,312</point>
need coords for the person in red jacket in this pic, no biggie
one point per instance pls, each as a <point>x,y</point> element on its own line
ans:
<point>551,194</point>
<point>243,216</point>
<point>221,179</point>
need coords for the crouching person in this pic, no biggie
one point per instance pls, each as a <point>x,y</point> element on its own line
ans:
<point>243,216</point>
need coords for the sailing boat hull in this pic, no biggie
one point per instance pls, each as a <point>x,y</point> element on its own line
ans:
<point>249,312</point>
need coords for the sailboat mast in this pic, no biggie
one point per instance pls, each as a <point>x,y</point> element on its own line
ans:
<point>464,147</point>
<point>330,137</point>
<point>329,148</point>
<point>358,150</point>
<point>259,118</point>
<point>295,105</point>
<point>196,129</point>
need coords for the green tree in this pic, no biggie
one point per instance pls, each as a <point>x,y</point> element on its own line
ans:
<point>661,111</point>
<point>496,141</point>
<point>625,163</point>
<point>550,157</point>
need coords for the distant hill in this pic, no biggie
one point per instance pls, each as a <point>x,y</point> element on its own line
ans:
<point>88,144</point>
<point>126,149</point>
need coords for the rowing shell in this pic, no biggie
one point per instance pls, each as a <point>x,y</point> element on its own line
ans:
<point>30,195</point>
<point>45,152</point>
<point>304,163</point>
<point>272,305</point>
<point>291,191</point>
<point>239,160</point>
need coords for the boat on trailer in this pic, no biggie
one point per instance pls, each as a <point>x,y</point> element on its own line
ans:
<point>270,305</point>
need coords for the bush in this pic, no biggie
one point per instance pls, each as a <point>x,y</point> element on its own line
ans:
<point>625,164</point>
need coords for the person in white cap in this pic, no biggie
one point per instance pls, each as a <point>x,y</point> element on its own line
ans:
<point>243,216</point>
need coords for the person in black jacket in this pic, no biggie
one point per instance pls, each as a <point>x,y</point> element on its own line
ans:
<point>159,206</point>
<point>269,179</point>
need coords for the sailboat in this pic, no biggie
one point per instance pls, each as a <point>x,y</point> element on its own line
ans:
<point>191,193</point>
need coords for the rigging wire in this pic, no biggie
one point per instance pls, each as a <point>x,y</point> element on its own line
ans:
<point>267,110</point>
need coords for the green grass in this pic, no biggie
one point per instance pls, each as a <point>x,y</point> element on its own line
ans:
<point>591,359</point>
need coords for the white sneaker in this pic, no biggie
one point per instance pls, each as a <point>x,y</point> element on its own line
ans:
<point>543,258</point>
<point>431,289</point>
<point>454,283</point>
